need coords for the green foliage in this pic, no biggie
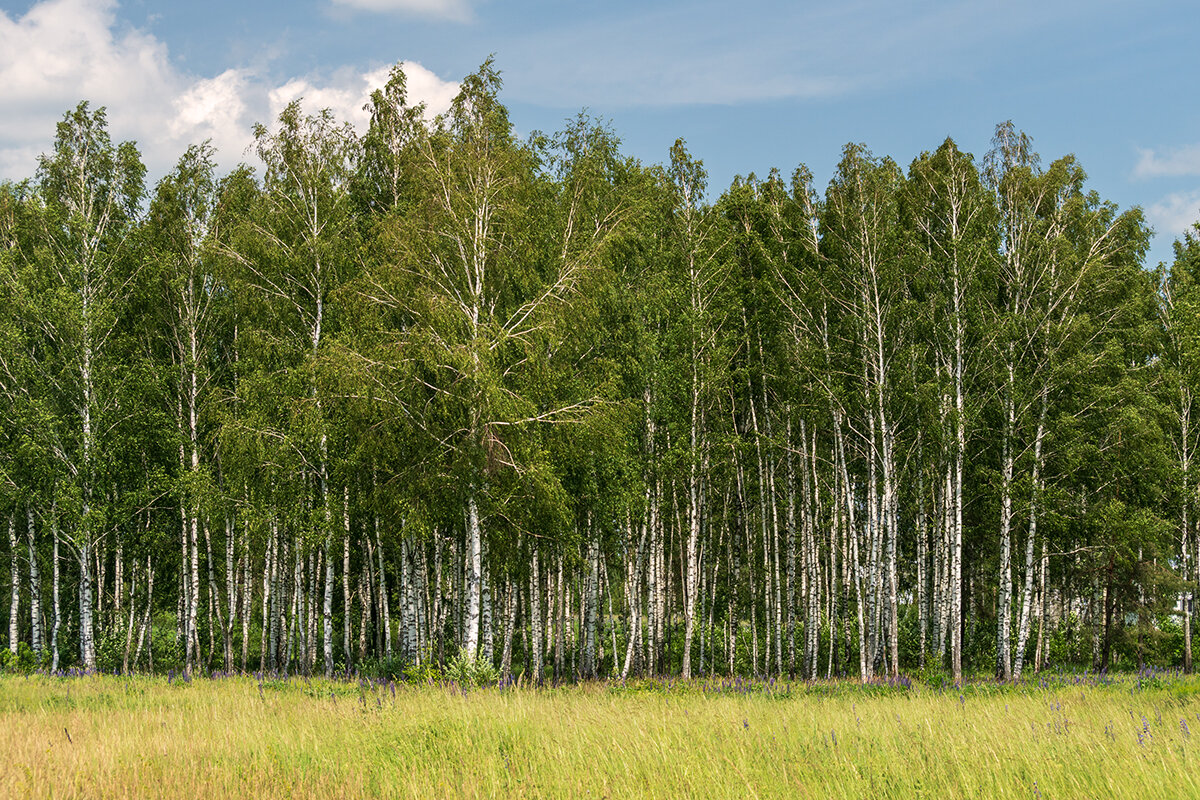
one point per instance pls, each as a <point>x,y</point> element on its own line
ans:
<point>466,671</point>
<point>440,340</point>
<point>1069,645</point>
<point>22,662</point>
<point>424,673</point>
<point>395,668</point>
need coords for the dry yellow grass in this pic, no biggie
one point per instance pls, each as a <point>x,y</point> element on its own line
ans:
<point>143,737</point>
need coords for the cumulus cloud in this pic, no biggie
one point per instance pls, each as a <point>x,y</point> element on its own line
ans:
<point>454,10</point>
<point>1168,163</point>
<point>62,51</point>
<point>347,92</point>
<point>216,109</point>
<point>1174,214</point>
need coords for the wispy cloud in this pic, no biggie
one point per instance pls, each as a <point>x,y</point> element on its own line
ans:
<point>62,51</point>
<point>1172,162</point>
<point>712,52</point>
<point>452,10</point>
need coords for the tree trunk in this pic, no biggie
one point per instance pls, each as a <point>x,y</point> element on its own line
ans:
<point>57,606</point>
<point>486,633</point>
<point>510,621</point>
<point>535,617</point>
<point>14,608</point>
<point>192,648</point>
<point>214,608</point>
<point>87,641</point>
<point>327,555</point>
<point>474,587</point>
<point>383,594</point>
<point>346,600</point>
<point>231,591</point>
<point>129,628</point>
<point>1027,593</point>
<point>790,544</point>
<point>35,587</point>
<point>1004,612</point>
<point>591,600</point>
<point>634,564</point>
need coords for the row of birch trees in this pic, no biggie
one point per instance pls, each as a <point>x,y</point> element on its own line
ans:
<point>433,392</point>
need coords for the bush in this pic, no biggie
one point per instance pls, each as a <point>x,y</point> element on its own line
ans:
<point>168,650</point>
<point>384,668</point>
<point>934,674</point>
<point>22,662</point>
<point>1069,644</point>
<point>425,672</point>
<point>471,672</point>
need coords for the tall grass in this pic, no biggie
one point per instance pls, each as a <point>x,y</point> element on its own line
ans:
<point>99,737</point>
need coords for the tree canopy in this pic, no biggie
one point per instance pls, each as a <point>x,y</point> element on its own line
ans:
<point>437,394</point>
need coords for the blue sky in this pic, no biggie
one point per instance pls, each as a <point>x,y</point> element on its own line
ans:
<point>750,85</point>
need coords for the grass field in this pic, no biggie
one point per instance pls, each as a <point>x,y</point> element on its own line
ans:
<point>98,737</point>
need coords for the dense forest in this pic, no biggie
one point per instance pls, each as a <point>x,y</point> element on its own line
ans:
<point>437,395</point>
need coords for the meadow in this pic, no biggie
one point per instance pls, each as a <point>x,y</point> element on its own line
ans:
<point>1067,736</point>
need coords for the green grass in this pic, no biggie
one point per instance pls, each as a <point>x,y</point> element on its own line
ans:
<point>145,737</point>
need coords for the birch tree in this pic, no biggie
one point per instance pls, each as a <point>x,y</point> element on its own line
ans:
<point>293,253</point>
<point>954,221</point>
<point>1179,312</point>
<point>861,225</point>
<point>92,192</point>
<point>181,234</point>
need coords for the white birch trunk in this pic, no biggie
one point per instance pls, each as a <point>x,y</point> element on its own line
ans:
<point>215,617</point>
<point>35,586</point>
<point>486,633</point>
<point>1027,592</point>
<point>57,606</point>
<point>510,622</point>
<point>536,636</point>
<point>790,543</point>
<point>635,562</point>
<point>346,597</point>
<point>14,608</point>
<point>231,591</point>
<point>383,594</point>
<point>87,642</point>
<point>474,592</point>
<point>1004,612</point>
<point>327,555</point>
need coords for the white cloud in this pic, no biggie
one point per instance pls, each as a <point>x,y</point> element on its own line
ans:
<point>1174,214</point>
<point>454,10</point>
<point>62,51</point>
<point>347,92</point>
<point>423,87</point>
<point>1169,163</point>
<point>216,109</point>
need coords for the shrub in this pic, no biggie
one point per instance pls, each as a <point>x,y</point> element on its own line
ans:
<point>384,668</point>
<point>471,671</point>
<point>22,662</point>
